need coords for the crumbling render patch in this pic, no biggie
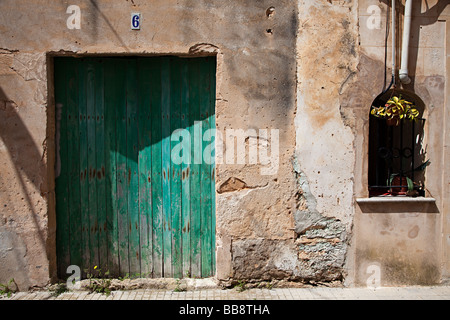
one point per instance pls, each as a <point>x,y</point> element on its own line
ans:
<point>263,259</point>
<point>203,48</point>
<point>322,250</point>
<point>32,67</point>
<point>321,241</point>
<point>232,184</point>
<point>316,253</point>
<point>235,184</point>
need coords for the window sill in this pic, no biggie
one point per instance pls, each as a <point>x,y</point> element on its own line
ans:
<point>397,204</point>
<point>396,199</point>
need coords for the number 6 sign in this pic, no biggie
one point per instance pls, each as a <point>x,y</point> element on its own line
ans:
<point>135,21</point>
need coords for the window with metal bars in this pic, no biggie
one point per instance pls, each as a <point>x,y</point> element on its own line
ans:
<point>396,155</point>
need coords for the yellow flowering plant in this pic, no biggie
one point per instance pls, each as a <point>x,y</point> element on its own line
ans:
<point>101,283</point>
<point>395,110</point>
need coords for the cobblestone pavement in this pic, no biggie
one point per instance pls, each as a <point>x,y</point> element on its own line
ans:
<point>315,293</point>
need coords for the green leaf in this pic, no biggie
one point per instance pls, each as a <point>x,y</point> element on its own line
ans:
<point>410,184</point>
<point>423,166</point>
<point>389,182</point>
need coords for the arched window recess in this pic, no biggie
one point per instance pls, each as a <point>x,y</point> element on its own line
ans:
<point>397,159</point>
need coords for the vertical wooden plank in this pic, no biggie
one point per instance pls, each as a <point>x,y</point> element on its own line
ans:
<point>113,75</point>
<point>132,168</point>
<point>157,202</point>
<point>100,164</point>
<point>91,163</point>
<point>84,188</point>
<point>212,81</point>
<point>175,169</point>
<point>205,171</point>
<point>122,178</point>
<point>185,166</point>
<point>144,162</point>
<point>73,151</point>
<point>165,159</point>
<point>61,183</point>
<point>196,132</point>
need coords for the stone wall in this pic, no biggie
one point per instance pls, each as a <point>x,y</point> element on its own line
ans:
<point>254,42</point>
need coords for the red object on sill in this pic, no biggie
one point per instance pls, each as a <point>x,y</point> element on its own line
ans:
<point>399,186</point>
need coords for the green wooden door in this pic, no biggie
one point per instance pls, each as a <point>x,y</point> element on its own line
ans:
<point>122,203</point>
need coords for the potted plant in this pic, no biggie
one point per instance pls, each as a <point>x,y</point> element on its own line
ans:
<point>395,110</point>
<point>401,184</point>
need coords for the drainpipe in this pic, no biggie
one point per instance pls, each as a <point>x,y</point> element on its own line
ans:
<point>403,73</point>
<point>394,66</point>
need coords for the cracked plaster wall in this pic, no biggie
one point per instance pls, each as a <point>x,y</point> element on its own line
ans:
<point>340,72</point>
<point>408,241</point>
<point>23,183</point>
<point>305,68</point>
<point>324,157</point>
<point>255,52</point>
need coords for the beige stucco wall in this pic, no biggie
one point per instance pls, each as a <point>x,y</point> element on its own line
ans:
<point>340,55</point>
<point>407,240</point>
<point>255,52</point>
<point>402,238</point>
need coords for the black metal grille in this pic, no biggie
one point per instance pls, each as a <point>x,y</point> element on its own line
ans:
<point>396,157</point>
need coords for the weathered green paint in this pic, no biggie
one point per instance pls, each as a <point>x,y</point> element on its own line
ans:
<point>61,184</point>
<point>83,158</point>
<point>122,186</point>
<point>166,161</point>
<point>175,178</point>
<point>112,86</point>
<point>205,174</point>
<point>99,174</point>
<point>155,89</point>
<point>91,164</point>
<point>132,167</point>
<point>212,117</point>
<point>122,203</point>
<point>194,172</point>
<point>73,164</point>
<point>185,180</point>
<point>144,161</point>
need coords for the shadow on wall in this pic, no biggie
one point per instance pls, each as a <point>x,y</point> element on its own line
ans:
<point>259,52</point>
<point>94,13</point>
<point>29,172</point>
<point>428,17</point>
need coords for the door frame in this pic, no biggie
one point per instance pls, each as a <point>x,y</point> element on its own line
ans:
<point>222,253</point>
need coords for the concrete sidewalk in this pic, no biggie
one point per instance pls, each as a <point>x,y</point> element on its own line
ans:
<point>314,293</point>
